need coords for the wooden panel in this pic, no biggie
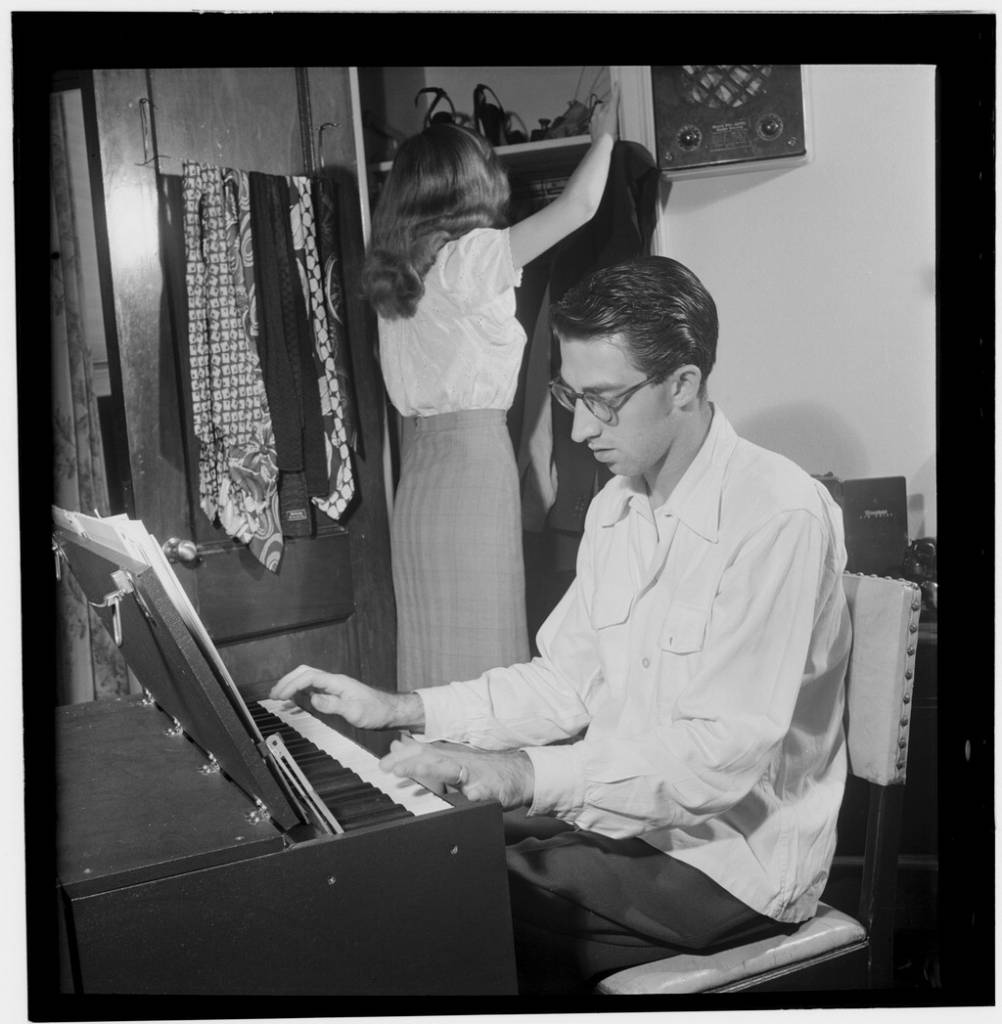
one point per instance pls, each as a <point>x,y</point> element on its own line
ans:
<point>229,117</point>
<point>419,908</point>
<point>330,109</point>
<point>313,585</point>
<point>146,355</point>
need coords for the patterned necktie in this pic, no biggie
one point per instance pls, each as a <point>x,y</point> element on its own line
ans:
<point>237,472</point>
<point>342,480</point>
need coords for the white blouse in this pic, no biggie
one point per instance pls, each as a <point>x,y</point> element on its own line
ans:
<point>463,347</point>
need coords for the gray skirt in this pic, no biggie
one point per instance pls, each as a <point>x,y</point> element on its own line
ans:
<point>456,533</point>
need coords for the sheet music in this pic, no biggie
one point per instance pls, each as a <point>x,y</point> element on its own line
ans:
<point>131,538</point>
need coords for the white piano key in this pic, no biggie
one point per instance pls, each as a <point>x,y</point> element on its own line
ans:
<point>347,752</point>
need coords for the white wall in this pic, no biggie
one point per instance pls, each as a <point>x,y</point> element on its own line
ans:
<point>824,278</point>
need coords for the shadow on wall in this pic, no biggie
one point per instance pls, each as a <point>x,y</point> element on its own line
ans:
<point>814,436</point>
<point>922,516</point>
<point>700,192</point>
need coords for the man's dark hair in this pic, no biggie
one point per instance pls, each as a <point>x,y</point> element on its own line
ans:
<point>667,317</point>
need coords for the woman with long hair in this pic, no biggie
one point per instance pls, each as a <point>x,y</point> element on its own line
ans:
<point>440,272</point>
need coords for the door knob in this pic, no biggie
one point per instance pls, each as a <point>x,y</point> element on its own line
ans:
<point>178,550</point>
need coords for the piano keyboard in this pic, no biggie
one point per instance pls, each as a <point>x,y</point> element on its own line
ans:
<point>345,775</point>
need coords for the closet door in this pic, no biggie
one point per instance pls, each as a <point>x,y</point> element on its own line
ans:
<point>331,603</point>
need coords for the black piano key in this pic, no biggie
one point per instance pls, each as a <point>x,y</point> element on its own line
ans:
<point>352,803</point>
<point>302,747</point>
<point>343,790</point>
<point>332,771</point>
<point>365,792</point>
<point>323,775</point>
<point>291,738</point>
<point>305,756</point>
<point>336,782</point>
<point>357,800</point>
<point>316,763</point>
<point>306,761</point>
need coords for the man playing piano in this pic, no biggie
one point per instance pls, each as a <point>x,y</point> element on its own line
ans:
<point>680,733</point>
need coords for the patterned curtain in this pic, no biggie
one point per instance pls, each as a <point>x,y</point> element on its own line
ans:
<point>90,666</point>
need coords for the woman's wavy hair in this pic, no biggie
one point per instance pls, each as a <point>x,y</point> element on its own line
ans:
<point>444,182</point>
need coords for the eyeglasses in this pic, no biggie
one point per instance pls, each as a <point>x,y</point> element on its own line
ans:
<point>602,408</point>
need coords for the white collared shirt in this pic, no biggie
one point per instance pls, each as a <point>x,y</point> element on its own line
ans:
<point>691,677</point>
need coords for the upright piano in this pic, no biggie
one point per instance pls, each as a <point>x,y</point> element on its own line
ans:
<point>207,846</point>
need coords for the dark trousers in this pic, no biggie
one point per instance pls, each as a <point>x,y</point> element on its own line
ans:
<point>584,906</point>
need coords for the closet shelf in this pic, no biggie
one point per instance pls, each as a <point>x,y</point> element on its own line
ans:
<point>550,156</point>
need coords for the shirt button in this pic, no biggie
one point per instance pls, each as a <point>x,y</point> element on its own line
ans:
<point>646,662</point>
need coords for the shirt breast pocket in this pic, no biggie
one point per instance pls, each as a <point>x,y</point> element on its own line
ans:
<point>611,607</point>
<point>610,619</point>
<point>684,629</point>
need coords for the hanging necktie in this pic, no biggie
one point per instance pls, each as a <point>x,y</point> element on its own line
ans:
<point>325,212</point>
<point>286,347</point>
<point>342,483</point>
<point>229,406</point>
<point>253,516</point>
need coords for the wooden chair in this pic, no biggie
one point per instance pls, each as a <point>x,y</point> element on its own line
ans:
<point>833,950</point>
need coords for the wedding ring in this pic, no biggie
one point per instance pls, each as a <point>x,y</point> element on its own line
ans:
<point>463,776</point>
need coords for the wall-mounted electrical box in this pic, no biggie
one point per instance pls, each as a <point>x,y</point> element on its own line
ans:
<point>722,118</point>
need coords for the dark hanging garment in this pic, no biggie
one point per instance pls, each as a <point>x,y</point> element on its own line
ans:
<point>622,226</point>
<point>529,298</point>
<point>285,344</point>
<point>278,375</point>
<point>298,337</point>
<point>621,229</point>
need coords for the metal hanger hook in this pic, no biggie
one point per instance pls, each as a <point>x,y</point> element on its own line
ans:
<point>149,139</point>
<point>320,138</point>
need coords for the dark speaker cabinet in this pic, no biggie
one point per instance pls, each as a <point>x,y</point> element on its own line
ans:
<point>714,118</point>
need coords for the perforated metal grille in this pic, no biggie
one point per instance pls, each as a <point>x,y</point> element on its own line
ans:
<point>724,85</point>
